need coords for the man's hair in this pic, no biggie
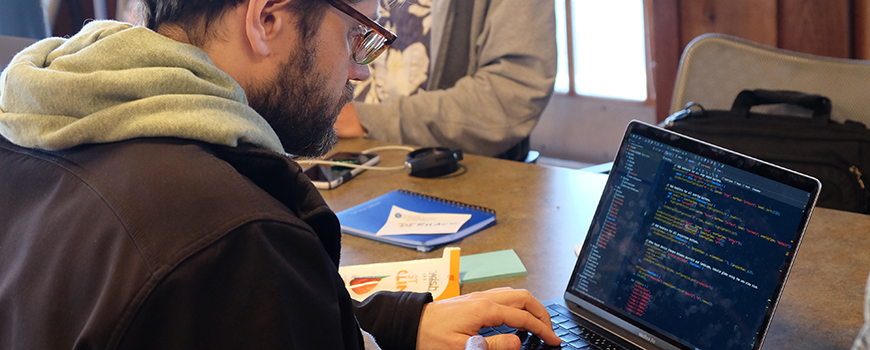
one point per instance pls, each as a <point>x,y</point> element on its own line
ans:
<point>195,16</point>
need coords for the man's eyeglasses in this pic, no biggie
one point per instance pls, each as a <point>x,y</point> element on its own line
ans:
<point>374,40</point>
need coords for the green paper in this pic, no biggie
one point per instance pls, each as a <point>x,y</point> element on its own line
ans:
<point>490,266</point>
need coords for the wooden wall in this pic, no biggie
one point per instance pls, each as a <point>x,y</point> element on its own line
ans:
<point>836,28</point>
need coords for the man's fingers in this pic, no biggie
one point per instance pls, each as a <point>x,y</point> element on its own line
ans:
<point>476,343</point>
<point>523,320</point>
<point>520,299</point>
<point>504,342</point>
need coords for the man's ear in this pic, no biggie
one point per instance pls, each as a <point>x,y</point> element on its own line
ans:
<point>262,23</point>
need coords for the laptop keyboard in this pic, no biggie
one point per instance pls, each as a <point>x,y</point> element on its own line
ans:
<point>565,324</point>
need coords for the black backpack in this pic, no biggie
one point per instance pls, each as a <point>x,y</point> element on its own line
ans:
<point>838,154</point>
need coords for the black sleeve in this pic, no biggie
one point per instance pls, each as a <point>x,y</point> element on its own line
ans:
<point>392,318</point>
<point>265,285</point>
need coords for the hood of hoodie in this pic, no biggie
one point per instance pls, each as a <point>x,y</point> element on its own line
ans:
<point>113,81</point>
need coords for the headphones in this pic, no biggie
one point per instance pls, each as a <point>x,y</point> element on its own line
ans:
<point>432,161</point>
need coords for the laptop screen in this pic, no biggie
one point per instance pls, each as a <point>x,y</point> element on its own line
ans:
<point>692,244</point>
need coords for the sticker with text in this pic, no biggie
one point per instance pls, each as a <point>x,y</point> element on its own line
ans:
<point>403,222</point>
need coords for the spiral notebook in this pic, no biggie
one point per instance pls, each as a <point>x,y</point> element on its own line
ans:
<point>366,219</point>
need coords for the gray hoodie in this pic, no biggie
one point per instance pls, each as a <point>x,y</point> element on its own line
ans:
<point>99,86</point>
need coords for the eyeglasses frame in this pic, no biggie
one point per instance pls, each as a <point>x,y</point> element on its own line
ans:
<point>366,21</point>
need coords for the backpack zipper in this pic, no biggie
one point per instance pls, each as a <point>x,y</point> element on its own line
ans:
<point>854,170</point>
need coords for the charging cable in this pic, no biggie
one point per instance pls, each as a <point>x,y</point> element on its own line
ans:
<point>367,167</point>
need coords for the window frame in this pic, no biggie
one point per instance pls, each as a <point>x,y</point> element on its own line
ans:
<point>572,89</point>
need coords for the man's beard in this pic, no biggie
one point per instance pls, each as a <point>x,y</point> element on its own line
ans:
<point>299,107</point>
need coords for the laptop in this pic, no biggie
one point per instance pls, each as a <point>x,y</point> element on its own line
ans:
<point>689,248</point>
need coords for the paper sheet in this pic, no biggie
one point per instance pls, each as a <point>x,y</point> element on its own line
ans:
<point>403,222</point>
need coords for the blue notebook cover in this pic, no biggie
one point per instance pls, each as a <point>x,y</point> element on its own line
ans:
<point>366,219</point>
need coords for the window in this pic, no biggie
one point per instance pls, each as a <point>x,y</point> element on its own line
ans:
<point>607,45</point>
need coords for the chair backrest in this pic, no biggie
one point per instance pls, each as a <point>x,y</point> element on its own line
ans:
<point>9,46</point>
<point>714,68</point>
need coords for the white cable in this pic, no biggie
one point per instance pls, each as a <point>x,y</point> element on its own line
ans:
<point>367,151</point>
<point>349,165</point>
<point>401,148</point>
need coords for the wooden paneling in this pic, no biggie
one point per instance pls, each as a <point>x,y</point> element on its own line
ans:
<point>675,23</point>
<point>665,51</point>
<point>819,27</point>
<point>861,29</point>
<point>755,20</point>
<point>835,28</point>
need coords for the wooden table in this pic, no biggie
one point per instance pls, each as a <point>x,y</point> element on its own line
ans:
<point>543,212</point>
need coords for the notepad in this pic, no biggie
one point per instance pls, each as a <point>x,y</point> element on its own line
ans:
<point>367,218</point>
<point>490,266</point>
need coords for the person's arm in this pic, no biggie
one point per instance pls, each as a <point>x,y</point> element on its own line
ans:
<point>266,285</point>
<point>347,124</point>
<point>393,318</point>
<point>493,109</point>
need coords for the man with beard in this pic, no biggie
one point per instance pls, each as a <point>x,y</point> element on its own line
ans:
<point>146,200</point>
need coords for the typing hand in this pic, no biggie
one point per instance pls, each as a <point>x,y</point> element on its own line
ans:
<point>447,324</point>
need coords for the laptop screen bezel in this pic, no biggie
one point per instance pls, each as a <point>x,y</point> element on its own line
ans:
<point>631,329</point>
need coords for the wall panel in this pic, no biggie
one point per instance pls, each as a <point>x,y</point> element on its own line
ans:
<point>750,19</point>
<point>816,27</point>
<point>665,50</point>
<point>861,29</point>
<point>835,28</point>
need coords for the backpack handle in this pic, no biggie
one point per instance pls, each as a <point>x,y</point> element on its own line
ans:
<point>746,99</point>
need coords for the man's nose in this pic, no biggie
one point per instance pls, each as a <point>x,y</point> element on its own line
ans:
<point>358,71</point>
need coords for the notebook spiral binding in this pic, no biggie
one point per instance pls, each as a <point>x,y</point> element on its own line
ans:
<point>447,201</point>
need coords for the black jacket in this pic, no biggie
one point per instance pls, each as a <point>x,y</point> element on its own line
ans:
<point>166,243</point>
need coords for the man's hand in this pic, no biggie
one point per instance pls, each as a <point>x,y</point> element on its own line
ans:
<point>447,324</point>
<point>476,342</point>
<point>347,124</point>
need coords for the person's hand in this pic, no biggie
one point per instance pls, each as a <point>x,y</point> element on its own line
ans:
<point>347,124</point>
<point>476,342</point>
<point>447,324</point>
